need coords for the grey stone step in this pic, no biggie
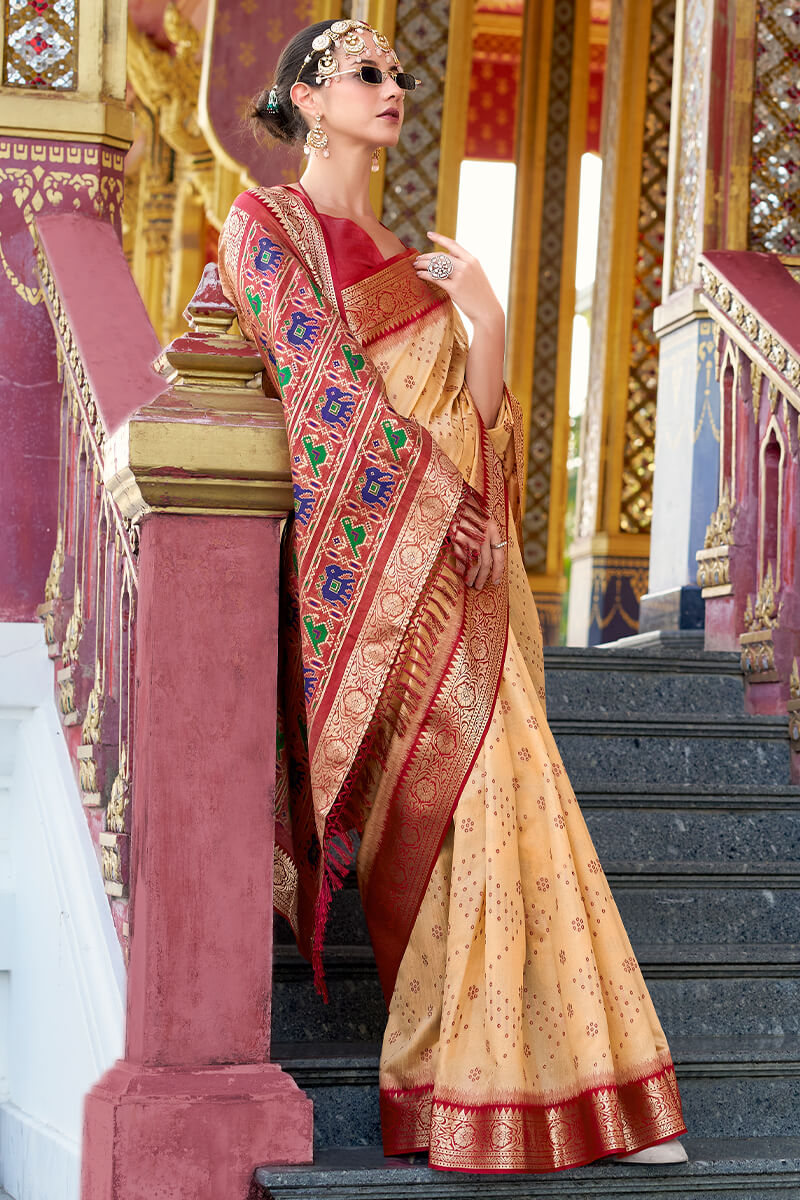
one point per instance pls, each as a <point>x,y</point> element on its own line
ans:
<point>659,904</point>
<point>681,649</point>
<point>689,725</point>
<point>725,1169</point>
<point>731,798</point>
<point>664,756</point>
<point>681,836</point>
<point>732,1087</point>
<point>665,908</point>
<point>719,1168</point>
<point>697,989</point>
<point>602,688</point>
<point>681,645</point>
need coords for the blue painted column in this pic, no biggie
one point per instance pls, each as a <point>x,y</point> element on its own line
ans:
<point>686,482</point>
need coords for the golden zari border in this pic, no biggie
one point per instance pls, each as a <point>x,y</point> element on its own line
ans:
<point>533,1137</point>
<point>388,301</point>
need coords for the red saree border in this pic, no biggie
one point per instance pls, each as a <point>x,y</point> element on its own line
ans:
<point>276,259</point>
<point>398,490</point>
<point>425,776</point>
<point>537,1138</point>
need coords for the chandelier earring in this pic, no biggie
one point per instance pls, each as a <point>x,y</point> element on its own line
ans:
<point>317,139</point>
<point>376,159</point>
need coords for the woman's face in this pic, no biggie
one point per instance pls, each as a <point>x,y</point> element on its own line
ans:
<point>358,111</point>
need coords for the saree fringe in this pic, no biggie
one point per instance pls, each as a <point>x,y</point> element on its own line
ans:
<point>400,706</point>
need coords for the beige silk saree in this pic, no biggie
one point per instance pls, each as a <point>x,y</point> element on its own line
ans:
<point>521,1036</point>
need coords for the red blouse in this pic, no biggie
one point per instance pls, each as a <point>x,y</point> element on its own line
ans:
<point>355,255</point>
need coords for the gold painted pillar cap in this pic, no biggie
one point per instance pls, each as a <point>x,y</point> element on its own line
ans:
<point>215,442</point>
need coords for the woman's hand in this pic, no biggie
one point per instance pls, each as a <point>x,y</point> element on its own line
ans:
<point>468,285</point>
<point>491,560</point>
<point>475,541</point>
<point>468,530</point>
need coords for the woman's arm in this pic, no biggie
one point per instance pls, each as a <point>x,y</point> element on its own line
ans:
<point>485,364</point>
<point>472,292</point>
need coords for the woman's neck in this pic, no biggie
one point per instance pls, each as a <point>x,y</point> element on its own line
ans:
<point>340,185</point>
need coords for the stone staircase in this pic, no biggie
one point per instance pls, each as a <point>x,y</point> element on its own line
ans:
<point>689,802</point>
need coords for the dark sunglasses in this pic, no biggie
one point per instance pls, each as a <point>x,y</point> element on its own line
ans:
<point>376,76</point>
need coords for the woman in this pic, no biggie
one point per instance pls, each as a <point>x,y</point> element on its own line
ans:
<point>521,1035</point>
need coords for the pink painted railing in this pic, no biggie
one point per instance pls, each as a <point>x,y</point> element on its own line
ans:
<point>749,568</point>
<point>161,616</point>
<point>90,595</point>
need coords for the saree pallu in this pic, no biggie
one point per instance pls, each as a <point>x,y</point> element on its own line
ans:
<point>520,1035</point>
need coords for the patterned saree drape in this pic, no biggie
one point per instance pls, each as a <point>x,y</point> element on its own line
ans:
<point>521,1035</point>
<point>390,665</point>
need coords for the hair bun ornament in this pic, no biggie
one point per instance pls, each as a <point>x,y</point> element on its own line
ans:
<point>272,101</point>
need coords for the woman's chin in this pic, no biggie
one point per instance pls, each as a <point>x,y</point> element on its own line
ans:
<point>390,138</point>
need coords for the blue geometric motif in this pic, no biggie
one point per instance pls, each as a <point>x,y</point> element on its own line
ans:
<point>303,503</point>
<point>338,585</point>
<point>338,407</point>
<point>303,330</point>
<point>268,257</point>
<point>378,487</point>
<point>309,682</point>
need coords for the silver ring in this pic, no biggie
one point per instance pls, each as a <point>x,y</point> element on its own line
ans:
<point>498,545</point>
<point>440,266</point>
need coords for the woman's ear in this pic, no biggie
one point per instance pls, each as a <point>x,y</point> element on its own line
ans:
<point>301,97</point>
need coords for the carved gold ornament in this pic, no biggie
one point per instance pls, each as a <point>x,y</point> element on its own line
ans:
<point>713,571</point>
<point>120,795</point>
<point>168,83</point>
<point>793,707</point>
<point>74,631</point>
<point>757,332</point>
<point>758,658</point>
<point>713,563</point>
<point>87,773</point>
<point>720,527</point>
<point>52,587</point>
<point>90,733</point>
<point>761,617</point>
<point>765,612</point>
<point>66,693</point>
<point>112,864</point>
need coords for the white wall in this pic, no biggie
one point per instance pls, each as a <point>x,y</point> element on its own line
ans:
<point>62,978</point>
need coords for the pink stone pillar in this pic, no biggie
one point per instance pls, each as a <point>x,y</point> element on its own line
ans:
<point>195,1105</point>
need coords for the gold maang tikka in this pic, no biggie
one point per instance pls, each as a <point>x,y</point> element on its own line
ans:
<point>349,36</point>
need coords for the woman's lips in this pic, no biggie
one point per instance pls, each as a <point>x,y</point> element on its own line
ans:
<point>390,115</point>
